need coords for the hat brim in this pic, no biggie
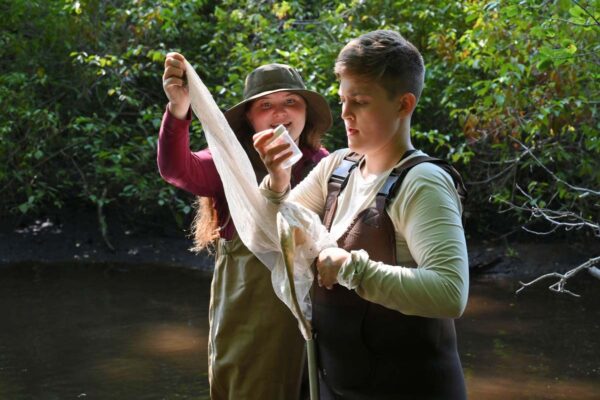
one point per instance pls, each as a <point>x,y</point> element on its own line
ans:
<point>317,113</point>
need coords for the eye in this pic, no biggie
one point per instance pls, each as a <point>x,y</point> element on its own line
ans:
<point>265,105</point>
<point>290,101</point>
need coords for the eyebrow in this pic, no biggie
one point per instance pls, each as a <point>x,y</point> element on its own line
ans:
<point>354,94</point>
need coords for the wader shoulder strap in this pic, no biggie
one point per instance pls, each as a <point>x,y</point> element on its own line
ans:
<point>337,182</point>
<point>390,188</point>
<point>394,181</point>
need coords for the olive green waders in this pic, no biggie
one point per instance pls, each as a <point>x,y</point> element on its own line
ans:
<point>255,348</point>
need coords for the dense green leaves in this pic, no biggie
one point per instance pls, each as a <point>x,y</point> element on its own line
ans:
<point>511,91</point>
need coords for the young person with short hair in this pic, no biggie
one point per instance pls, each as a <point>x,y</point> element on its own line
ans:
<point>386,298</point>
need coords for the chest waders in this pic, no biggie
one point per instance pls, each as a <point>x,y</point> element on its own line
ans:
<point>367,351</point>
<point>255,349</point>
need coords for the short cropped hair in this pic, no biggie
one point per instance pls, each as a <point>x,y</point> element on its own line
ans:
<point>385,57</point>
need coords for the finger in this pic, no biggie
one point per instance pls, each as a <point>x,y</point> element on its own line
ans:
<point>319,281</point>
<point>277,150</point>
<point>173,81</point>
<point>281,157</point>
<point>174,67</point>
<point>176,56</point>
<point>173,71</point>
<point>173,62</point>
<point>261,141</point>
<point>261,138</point>
<point>318,265</point>
<point>274,162</point>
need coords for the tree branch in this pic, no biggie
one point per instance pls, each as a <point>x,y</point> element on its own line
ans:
<point>556,178</point>
<point>559,286</point>
<point>587,12</point>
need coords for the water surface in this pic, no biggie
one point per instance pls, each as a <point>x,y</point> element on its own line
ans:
<point>98,332</point>
<point>534,345</point>
<point>75,332</point>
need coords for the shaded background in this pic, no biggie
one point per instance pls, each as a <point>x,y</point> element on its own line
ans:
<point>511,95</point>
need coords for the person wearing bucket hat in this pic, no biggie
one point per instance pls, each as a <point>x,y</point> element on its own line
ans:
<point>274,78</point>
<point>255,349</point>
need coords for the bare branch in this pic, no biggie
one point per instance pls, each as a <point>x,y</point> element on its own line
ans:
<point>556,178</point>
<point>559,286</point>
<point>551,231</point>
<point>491,178</point>
<point>587,12</point>
<point>568,21</point>
<point>559,219</point>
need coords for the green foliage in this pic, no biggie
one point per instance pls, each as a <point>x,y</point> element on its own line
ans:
<point>81,97</point>
<point>531,108</point>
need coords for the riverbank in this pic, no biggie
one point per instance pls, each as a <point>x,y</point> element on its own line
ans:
<point>76,238</point>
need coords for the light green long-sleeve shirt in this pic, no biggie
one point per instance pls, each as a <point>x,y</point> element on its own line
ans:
<point>426,214</point>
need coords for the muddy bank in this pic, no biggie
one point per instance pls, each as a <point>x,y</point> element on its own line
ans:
<point>76,237</point>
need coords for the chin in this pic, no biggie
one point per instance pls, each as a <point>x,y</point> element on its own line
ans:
<point>355,147</point>
<point>295,135</point>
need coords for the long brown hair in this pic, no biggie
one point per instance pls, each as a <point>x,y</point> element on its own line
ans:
<point>205,226</point>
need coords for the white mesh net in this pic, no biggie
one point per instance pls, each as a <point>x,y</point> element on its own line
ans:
<point>285,237</point>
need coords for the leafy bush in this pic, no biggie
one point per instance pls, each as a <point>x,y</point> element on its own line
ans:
<point>511,91</point>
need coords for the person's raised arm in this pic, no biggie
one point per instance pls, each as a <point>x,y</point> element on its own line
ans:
<point>193,172</point>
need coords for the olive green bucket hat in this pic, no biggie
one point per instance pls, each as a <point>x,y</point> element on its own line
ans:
<point>273,78</point>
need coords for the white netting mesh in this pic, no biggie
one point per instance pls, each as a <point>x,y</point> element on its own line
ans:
<point>293,238</point>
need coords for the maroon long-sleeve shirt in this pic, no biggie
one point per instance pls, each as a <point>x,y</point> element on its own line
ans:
<point>196,172</point>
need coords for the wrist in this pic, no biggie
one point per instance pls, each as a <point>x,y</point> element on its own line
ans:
<point>278,185</point>
<point>270,195</point>
<point>351,272</point>
<point>177,110</point>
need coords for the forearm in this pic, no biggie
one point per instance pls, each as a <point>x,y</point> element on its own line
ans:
<point>427,221</point>
<point>179,166</point>
<point>436,291</point>
<point>173,147</point>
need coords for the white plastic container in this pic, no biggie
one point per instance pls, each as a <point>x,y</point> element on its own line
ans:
<point>281,135</point>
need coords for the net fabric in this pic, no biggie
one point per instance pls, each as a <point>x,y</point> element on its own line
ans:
<point>287,237</point>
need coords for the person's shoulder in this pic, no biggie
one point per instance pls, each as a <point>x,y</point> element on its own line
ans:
<point>428,172</point>
<point>337,156</point>
<point>341,152</point>
<point>328,164</point>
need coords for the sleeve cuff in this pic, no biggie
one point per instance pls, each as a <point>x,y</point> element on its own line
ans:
<point>273,197</point>
<point>172,124</point>
<point>352,270</point>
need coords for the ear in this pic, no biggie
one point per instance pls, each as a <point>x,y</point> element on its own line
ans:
<point>406,104</point>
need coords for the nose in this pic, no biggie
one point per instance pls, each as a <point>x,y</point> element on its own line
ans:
<point>346,112</point>
<point>279,109</point>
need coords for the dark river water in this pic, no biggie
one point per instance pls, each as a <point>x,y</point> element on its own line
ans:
<point>84,332</point>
